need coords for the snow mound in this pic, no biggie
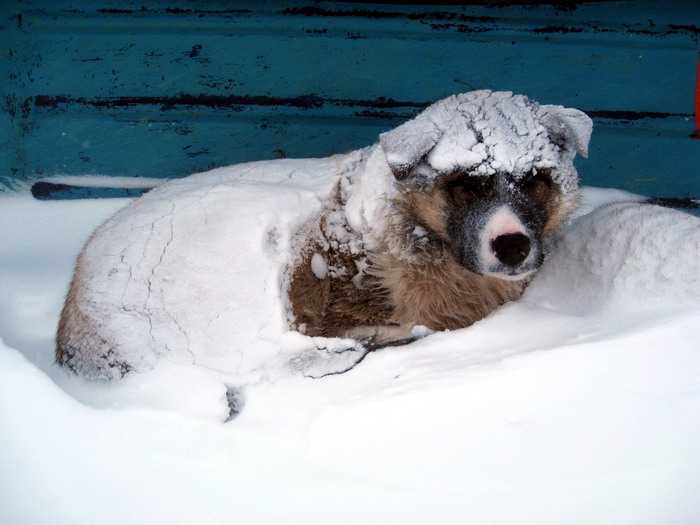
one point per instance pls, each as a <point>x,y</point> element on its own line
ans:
<point>630,256</point>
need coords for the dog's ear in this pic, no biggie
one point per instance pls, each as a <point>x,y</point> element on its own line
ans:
<point>406,145</point>
<point>569,127</point>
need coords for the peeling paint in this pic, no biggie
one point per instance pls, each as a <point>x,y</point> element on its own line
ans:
<point>557,29</point>
<point>194,52</point>
<point>633,115</point>
<point>43,190</point>
<point>377,14</point>
<point>219,101</point>
<point>462,28</point>
<point>302,102</point>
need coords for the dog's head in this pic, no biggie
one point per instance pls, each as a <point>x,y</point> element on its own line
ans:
<point>491,174</point>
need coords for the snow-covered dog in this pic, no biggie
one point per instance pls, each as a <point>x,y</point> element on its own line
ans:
<point>437,225</point>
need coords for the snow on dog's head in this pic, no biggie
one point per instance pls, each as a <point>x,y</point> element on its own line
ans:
<point>499,168</point>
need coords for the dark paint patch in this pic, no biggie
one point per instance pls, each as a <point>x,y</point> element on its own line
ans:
<point>197,153</point>
<point>113,11</point>
<point>557,29</point>
<point>687,28</point>
<point>452,17</point>
<point>168,10</point>
<point>183,130</point>
<point>220,101</point>
<point>199,12</point>
<point>632,115</point>
<point>563,5</point>
<point>376,14</point>
<point>462,28</point>
<point>43,190</point>
<point>26,108</point>
<point>387,115</point>
<point>319,11</point>
<point>234,102</point>
<point>671,29</point>
<point>684,203</point>
<point>213,101</point>
<point>11,105</point>
<point>380,102</point>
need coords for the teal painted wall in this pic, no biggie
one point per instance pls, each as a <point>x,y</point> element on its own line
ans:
<point>164,89</point>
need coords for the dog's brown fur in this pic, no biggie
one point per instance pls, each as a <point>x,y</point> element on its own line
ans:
<point>406,283</point>
<point>75,328</point>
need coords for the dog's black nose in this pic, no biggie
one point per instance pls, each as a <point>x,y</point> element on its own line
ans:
<point>512,248</point>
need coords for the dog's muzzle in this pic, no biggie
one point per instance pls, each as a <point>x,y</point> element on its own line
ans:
<point>507,250</point>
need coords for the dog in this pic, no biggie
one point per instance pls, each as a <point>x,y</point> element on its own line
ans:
<point>464,234</point>
<point>444,220</point>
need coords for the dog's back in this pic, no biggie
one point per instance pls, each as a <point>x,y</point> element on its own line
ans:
<point>164,274</point>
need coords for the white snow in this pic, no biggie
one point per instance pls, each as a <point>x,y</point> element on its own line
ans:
<point>578,404</point>
<point>319,267</point>
<point>626,256</point>
<point>489,132</point>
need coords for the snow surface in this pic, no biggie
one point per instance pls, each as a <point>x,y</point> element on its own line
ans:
<point>578,404</point>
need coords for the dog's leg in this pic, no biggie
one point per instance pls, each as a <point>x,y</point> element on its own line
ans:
<point>329,356</point>
<point>333,356</point>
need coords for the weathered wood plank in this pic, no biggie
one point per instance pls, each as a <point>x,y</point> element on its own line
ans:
<point>284,56</point>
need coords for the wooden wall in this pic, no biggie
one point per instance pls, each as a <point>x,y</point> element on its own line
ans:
<point>164,89</point>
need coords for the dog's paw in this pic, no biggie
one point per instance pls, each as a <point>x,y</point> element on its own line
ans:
<point>328,357</point>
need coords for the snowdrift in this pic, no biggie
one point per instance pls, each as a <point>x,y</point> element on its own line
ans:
<point>578,404</point>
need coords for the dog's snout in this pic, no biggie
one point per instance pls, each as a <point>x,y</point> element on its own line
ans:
<point>512,248</point>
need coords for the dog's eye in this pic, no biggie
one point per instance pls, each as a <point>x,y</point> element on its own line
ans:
<point>468,188</point>
<point>537,185</point>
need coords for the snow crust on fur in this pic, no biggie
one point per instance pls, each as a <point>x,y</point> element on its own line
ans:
<point>163,275</point>
<point>486,132</point>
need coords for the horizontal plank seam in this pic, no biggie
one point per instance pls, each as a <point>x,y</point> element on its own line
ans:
<point>301,102</point>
